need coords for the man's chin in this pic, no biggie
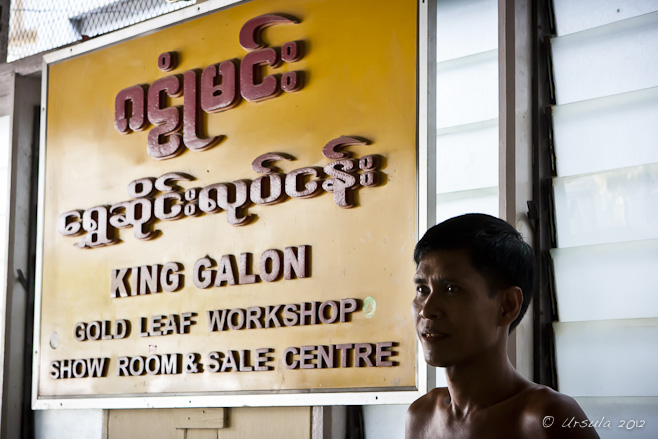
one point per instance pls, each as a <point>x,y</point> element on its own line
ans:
<point>437,362</point>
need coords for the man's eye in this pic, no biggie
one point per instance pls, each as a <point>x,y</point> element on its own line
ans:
<point>421,290</point>
<point>452,289</point>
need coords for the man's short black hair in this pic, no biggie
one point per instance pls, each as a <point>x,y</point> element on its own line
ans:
<point>497,251</point>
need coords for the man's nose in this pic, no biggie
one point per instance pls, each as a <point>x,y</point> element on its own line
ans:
<point>431,308</point>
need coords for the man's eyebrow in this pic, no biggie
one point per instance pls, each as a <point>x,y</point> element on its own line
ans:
<point>442,279</point>
<point>449,280</point>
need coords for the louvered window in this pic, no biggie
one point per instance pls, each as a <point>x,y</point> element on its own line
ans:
<point>605,126</point>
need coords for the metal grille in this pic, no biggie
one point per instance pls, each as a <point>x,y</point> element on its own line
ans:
<point>39,25</point>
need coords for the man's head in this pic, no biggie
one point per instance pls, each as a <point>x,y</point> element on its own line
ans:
<point>497,251</point>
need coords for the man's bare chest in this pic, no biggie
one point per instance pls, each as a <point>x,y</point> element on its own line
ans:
<point>489,424</point>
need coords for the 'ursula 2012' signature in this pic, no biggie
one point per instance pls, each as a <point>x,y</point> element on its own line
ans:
<point>629,424</point>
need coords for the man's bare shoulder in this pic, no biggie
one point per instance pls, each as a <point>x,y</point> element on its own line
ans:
<point>422,414</point>
<point>536,412</point>
<point>429,400</point>
<point>550,414</point>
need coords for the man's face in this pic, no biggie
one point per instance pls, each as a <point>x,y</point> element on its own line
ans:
<point>456,318</point>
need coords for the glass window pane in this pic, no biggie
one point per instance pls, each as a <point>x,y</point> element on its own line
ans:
<point>5,122</point>
<point>467,158</point>
<point>373,415</point>
<point>612,206</point>
<point>606,133</point>
<point>576,15</point>
<point>4,192</point>
<point>616,58</point>
<point>5,146</point>
<point>467,90</point>
<point>627,409</point>
<point>607,358</point>
<point>604,282</point>
<point>39,25</point>
<point>465,27</point>
<point>3,237</point>
<point>473,201</point>
<point>59,424</point>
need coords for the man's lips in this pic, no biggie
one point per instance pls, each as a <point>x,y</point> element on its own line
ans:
<point>430,335</point>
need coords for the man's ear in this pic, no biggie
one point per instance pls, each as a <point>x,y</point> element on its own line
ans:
<point>510,305</point>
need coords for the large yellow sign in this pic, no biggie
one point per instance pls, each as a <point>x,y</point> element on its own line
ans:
<point>230,206</point>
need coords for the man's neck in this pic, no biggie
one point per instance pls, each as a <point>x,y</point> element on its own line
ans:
<point>482,383</point>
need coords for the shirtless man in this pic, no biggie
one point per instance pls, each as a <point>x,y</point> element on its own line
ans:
<point>474,281</point>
